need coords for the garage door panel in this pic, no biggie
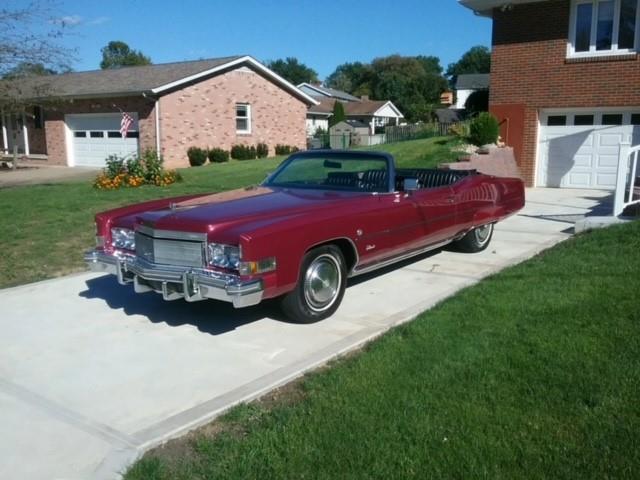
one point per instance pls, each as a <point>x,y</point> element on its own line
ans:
<point>578,179</point>
<point>606,180</point>
<point>610,140</point>
<point>582,160</point>
<point>607,161</point>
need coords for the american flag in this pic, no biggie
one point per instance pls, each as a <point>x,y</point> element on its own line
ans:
<point>125,123</point>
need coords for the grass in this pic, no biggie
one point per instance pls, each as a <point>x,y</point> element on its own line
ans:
<point>45,228</point>
<point>534,373</point>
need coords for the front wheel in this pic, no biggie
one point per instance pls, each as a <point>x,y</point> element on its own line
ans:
<point>320,286</point>
<point>476,240</point>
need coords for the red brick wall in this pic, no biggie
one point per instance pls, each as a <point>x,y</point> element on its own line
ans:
<point>55,127</point>
<point>203,115</point>
<point>529,67</point>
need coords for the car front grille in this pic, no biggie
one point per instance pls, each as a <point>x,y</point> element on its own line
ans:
<point>184,253</point>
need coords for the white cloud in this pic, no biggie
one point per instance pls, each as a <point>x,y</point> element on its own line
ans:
<point>98,21</point>
<point>68,20</point>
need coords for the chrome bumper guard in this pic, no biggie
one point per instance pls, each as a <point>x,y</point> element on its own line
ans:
<point>174,282</point>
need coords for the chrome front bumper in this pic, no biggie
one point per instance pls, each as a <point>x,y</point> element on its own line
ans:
<point>174,282</point>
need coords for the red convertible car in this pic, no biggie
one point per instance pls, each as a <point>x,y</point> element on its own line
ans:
<point>320,218</point>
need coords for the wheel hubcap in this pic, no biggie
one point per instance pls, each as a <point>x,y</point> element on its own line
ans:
<point>322,283</point>
<point>482,233</point>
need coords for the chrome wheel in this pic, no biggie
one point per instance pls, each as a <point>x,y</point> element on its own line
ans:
<point>322,283</point>
<point>483,234</point>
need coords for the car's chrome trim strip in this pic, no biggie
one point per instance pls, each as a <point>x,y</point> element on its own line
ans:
<point>395,259</point>
<point>171,234</point>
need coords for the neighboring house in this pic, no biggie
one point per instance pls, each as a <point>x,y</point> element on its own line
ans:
<point>206,103</point>
<point>467,84</point>
<point>319,92</point>
<point>565,77</point>
<point>376,113</point>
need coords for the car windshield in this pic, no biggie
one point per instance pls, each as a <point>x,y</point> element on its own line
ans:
<point>334,172</point>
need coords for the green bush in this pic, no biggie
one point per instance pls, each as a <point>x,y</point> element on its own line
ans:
<point>197,156</point>
<point>115,165</point>
<point>484,129</point>
<point>283,149</point>
<point>218,155</point>
<point>243,152</point>
<point>152,165</point>
<point>262,150</point>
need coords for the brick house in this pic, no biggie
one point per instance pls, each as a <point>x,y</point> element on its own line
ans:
<point>207,103</point>
<point>565,83</point>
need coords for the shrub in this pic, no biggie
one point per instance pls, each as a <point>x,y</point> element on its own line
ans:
<point>262,150</point>
<point>218,155</point>
<point>484,129</point>
<point>283,149</point>
<point>197,156</point>
<point>243,152</point>
<point>152,165</point>
<point>136,171</point>
<point>115,166</point>
<point>460,130</point>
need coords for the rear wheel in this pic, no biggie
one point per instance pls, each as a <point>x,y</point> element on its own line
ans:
<point>320,287</point>
<point>476,240</point>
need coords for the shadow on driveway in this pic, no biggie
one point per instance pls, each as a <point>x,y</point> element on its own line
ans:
<point>209,316</point>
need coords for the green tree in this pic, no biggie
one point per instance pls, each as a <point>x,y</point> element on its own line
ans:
<point>338,114</point>
<point>414,89</point>
<point>476,60</point>
<point>293,70</point>
<point>118,54</point>
<point>355,78</point>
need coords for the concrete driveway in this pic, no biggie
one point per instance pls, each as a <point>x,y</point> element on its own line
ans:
<point>45,174</point>
<point>92,374</point>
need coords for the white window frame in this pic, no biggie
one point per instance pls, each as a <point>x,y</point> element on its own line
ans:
<point>571,53</point>
<point>247,118</point>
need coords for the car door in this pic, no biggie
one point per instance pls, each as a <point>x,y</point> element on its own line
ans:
<point>438,212</point>
<point>392,226</point>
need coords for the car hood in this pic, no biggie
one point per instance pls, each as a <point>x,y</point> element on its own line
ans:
<point>217,212</point>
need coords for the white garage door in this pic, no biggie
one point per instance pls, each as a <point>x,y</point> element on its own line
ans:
<point>95,137</point>
<point>579,149</point>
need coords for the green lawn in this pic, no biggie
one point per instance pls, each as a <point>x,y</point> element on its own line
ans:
<point>532,374</point>
<point>44,229</point>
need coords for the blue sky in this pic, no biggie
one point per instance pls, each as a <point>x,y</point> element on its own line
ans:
<point>321,34</point>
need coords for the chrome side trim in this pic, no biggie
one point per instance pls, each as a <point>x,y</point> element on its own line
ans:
<point>397,258</point>
<point>171,235</point>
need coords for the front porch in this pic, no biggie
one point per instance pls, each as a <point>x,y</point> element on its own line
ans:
<point>26,132</point>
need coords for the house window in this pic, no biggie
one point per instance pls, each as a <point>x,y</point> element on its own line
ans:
<point>612,119</point>
<point>583,120</point>
<point>243,118</point>
<point>604,27</point>
<point>556,120</point>
<point>635,119</point>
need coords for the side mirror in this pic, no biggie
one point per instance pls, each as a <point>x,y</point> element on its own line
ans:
<point>410,185</point>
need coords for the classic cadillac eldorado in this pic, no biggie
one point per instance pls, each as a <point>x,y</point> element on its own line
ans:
<point>319,219</point>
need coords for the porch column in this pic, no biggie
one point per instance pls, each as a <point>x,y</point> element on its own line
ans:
<point>397,121</point>
<point>372,126</point>
<point>5,138</point>
<point>25,135</point>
